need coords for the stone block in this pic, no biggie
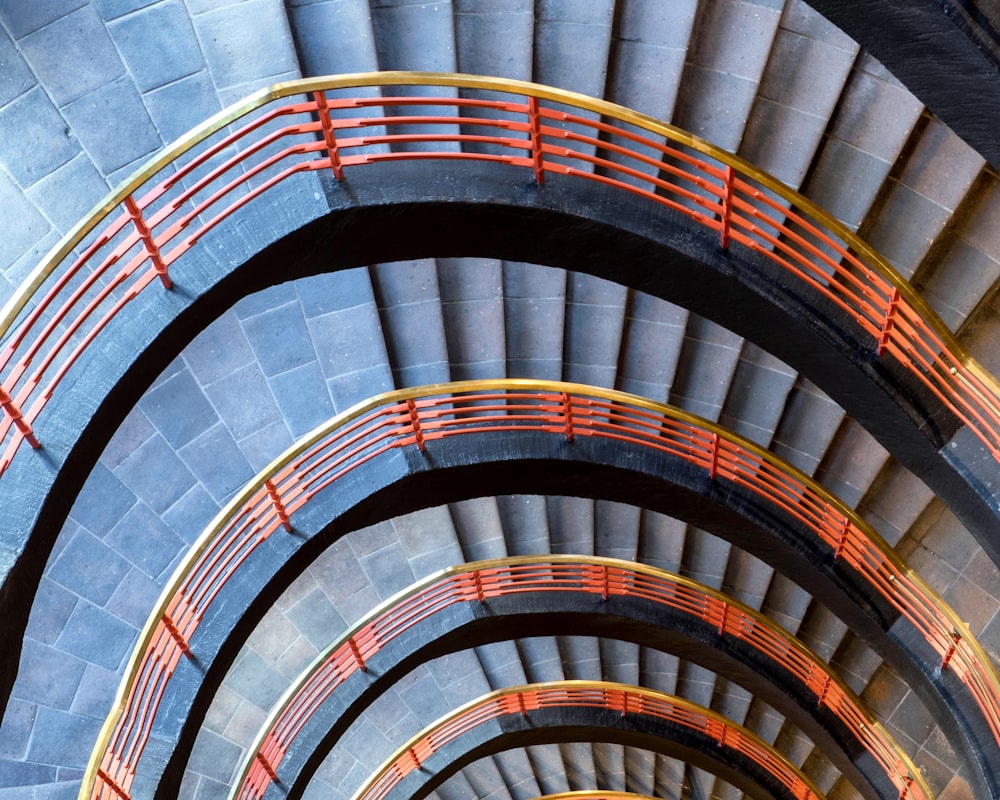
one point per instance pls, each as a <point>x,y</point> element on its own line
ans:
<point>24,18</point>
<point>866,97</point>
<point>217,462</point>
<point>534,327</point>
<point>313,22</point>
<point>178,107</point>
<point>18,773</point>
<point>219,350</point>
<point>317,619</point>
<point>301,394</point>
<point>112,9</point>
<point>280,339</point>
<point>35,138</point>
<point>155,474</point>
<point>133,600</point>
<point>98,516</point>
<point>96,693</point>
<point>96,636</point>
<point>246,42</point>
<point>421,35</point>
<point>215,757</point>
<point>48,676</point>
<point>145,540</point>
<point>263,445</point>
<point>15,729</point>
<point>178,409</point>
<point>158,44</point>
<point>113,125</point>
<point>648,77</point>
<point>16,77</point>
<point>243,401</point>
<point>388,570</point>
<point>89,567</point>
<point>593,334</point>
<point>494,38</point>
<point>257,681</point>
<point>73,55</point>
<point>53,604</point>
<point>349,341</point>
<point>572,55</point>
<point>335,291</point>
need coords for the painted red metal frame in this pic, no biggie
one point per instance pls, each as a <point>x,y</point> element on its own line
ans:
<point>144,240</point>
<point>478,583</point>
<point>418,417</point>
<point>626,700</point>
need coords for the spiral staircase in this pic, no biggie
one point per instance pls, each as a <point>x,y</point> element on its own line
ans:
<point>90,90</point>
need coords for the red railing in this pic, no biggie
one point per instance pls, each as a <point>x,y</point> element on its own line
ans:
<point>626,700</point>
<point>483,581</point>
<point>417,418</point>
<point>297,128</point>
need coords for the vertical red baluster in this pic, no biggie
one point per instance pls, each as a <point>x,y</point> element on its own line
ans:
<point>175,634</point>
<point>279,507</point>
<point>329,136</point>
<point>266,765</point>
<point>148,242</point>
<point>12,411</point>
<point>535,129</point>
<point>356,652</point>
<point>418,433</point>
<point>713,464</point>
<point>888,322</point>
<point>956,637</point>
<point>727,206</point>
<point>567,410</point>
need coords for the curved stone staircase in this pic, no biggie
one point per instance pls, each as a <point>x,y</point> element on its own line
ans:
<point>89,90</point>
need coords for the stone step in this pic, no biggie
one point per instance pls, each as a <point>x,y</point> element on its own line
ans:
<point>730,46</point>
<point>595,316</point>
<point>651,342</point>
<point>706,365</point>
<point>856,156</point>
<point>534,320</point>
<point>409,304</point>
<point>472,307</point>
<point>806,70</point>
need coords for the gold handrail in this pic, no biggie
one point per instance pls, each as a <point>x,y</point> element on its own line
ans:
<point>870,724</point>
<point>777,761</point>
<point>907,580</point>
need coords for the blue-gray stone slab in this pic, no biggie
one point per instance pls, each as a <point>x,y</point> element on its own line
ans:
<point>36,139</point>
<point>115,500</point>
<point>113,125</point>
<point>145,540</point>
<point>279,338</point>
<point>314,21</point>
<point>15,77</point>
<point>303,398</point>
<point>158,44</point>
<point>179,106</point>
<point>97,637</point>
<point>22,18</point>
<point>216,460</point>
<point>48,675</point>
<point>244,401</point>
<point>178,409</point>
<point>219,350</point>
<point>73,55</point>
<point>89,567</point>
<point>155,474</point>
<point>67,207</point>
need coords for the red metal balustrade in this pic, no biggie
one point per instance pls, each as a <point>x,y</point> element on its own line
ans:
<point>417,418</point>
<point>480,582</point>
<point>626,700</point>
<point>294,128</point>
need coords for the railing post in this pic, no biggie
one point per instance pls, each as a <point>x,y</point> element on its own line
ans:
<point>713,464</point>
<point>175,634</point>
<point>727,206</point>
<point>113,785</point>
<point>535,131</point>
<point>888,322</point>
<point>845,531</point>
<point>956,637</point>
<point>279,507</point>
<point>723,618</point>
<point>266,766</point>
<point>12,411</point>
<point>146,236</point>
<point>418,433</point>
<point>479,587</point>
<point>329,136</point>
<point>567,410</point>
<point>356,652</point>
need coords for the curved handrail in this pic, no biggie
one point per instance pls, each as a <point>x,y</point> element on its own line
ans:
<point>418,416</point>
<point>150,232</point>
<point>481,581</point>
<point>627,700</point>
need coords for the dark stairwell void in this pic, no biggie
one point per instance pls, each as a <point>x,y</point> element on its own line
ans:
<point>933,536</point>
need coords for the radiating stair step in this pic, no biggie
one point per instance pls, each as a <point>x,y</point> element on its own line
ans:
<point>705,557</point>
<point>495,38</point>
<point>851,463</point>
<point>524,523</point>
<point>472,306</point>
<point>705,369</point>
<point>822,631</point>
<point>661,541</point>
<point>651,343</point>
<point>808,425</point>
<point>969,242</point>
<point>342,311</point>
<point>873,122</point>
<point>616,530</point>
<point>534,320</point>
<point>757,395</point>
<point>595,316</point>
<point>913,224</point>
<point>785,602</point>
<point>479,528</point>
<point>726,59</point>
<point>579,763</point>
<point>571,525</point>
<point>747,578</point>
<point>333,37</point>
<point>549,767</point>
<point>516,769</point>
<point>895,502</point>
<point>808,65</point>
